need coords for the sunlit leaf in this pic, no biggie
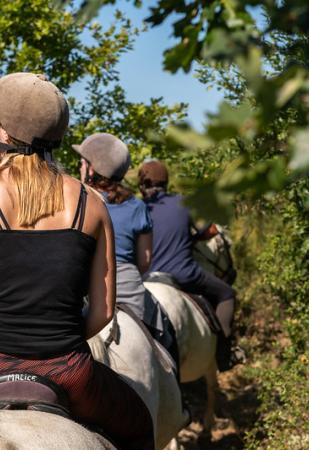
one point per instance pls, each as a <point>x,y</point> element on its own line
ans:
<point>232,121</point>
<point>300,158</point>
<point>208,202</point>
<point>189,139</point>
<point>290,88</point>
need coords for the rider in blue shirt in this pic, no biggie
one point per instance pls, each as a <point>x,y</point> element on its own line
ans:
<point>127,231</point>
<point>105,161</point>
<point>172,252</point>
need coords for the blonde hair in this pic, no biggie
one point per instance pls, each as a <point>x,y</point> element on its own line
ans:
<point>39,186</point>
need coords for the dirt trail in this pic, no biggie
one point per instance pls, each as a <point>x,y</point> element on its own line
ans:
<point>235,411</point>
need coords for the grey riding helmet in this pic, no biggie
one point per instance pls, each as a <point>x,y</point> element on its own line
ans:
<point>107,154</point>
<point>32,109</point>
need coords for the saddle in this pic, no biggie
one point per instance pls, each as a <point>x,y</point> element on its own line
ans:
<point>26,391</point>
<point>200,302</point>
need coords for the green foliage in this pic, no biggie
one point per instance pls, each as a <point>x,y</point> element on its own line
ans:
<point>205,29</point>
<point>268,88</point>
<point>271,251</point>
<point>283,423</point>
<point>263,71</point>
<point>217,28</point>
<point>36,36</point>
<point>109,111</point>
<point>291,248</point>
<point>89,8</point>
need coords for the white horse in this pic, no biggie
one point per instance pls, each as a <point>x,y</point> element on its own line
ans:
<point>34,430</point>
<point>214,254</point>
<point>148,369</point>
<point>196,342</point>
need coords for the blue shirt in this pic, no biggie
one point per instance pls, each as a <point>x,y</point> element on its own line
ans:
<point>172,241</point>
<point>130,219</point>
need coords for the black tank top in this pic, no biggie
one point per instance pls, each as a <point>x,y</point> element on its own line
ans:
<point>44,275</point>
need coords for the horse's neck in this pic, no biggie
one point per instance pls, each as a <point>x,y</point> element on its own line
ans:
<point>213,254</point>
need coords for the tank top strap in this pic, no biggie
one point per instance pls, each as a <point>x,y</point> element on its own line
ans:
<point>4,221</point>
<point>80,210</point>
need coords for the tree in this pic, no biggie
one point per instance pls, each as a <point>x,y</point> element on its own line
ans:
<point>254,156</point>
<point>37,37</point>
<point>225,38</point>
<point>109,111</point>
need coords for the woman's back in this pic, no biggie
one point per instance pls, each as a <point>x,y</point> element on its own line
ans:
<point>46,274</point>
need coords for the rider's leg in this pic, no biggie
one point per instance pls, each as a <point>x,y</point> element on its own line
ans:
<point>219,294</point>
<point>222,297</point>
<point>112,404</point>
<point>168,340</point>
<point>225,314</point>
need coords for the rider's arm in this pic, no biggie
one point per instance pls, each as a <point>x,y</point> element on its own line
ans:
<point>144,251</point>
<point>102,290</point>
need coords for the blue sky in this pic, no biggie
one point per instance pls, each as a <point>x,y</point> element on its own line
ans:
<point>141,70</point>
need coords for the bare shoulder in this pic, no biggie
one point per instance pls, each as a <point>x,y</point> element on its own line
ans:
<point>71,186</point>
<point>97,216</point>
<point>97,204</point>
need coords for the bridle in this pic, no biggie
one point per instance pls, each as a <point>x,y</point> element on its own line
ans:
<point>230,266</point>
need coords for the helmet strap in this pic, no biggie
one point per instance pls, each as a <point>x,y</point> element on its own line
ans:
<point>44,153</point>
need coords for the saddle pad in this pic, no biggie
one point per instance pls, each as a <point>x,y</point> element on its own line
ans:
<point>200,302</point>
<point>150,339</point>
<point>206,309</point>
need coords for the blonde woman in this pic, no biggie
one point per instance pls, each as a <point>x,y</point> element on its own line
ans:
<point>57,245</point>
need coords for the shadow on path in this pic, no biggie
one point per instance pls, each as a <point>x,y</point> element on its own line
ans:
<point>236,408</point>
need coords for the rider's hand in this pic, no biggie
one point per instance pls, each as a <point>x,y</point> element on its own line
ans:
<point>206,233</point>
